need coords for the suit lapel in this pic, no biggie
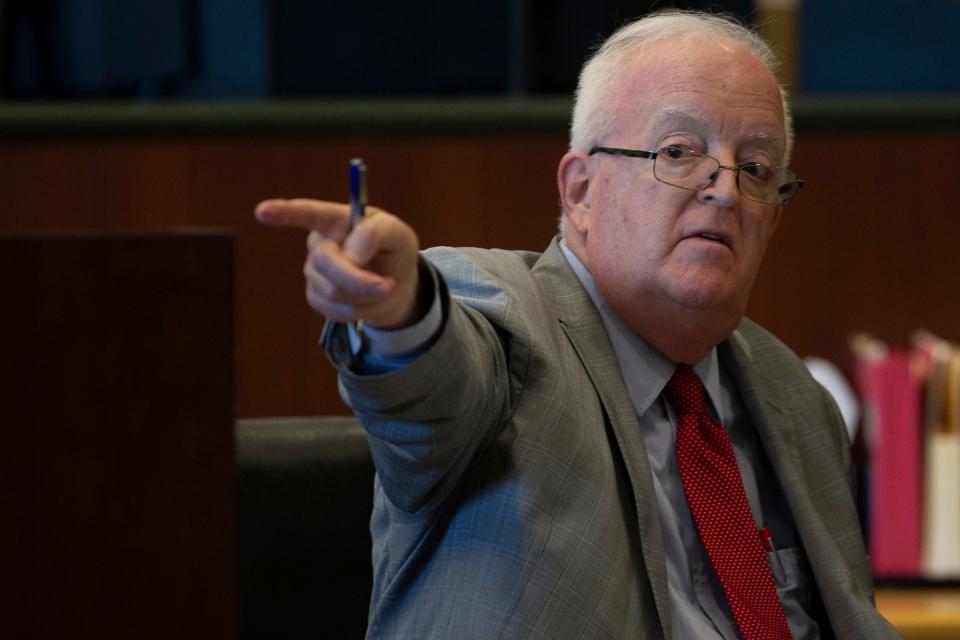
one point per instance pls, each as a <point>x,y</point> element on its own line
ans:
<point>763,397</point>
<point>584,329</point>
<point>778,429</point>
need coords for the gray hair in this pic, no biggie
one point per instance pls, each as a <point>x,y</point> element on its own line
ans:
<point>592,121</point>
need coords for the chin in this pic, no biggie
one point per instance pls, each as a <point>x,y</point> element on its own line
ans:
<point>704,297</point>
<point>708,290</point>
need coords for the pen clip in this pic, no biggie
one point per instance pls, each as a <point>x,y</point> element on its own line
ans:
<point>767,541</point>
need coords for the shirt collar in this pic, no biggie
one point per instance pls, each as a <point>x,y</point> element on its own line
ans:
<point>645,370</point>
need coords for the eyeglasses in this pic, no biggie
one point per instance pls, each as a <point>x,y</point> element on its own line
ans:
<point>681,167</point>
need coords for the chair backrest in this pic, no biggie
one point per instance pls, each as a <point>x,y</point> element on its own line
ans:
<point>305,496</point>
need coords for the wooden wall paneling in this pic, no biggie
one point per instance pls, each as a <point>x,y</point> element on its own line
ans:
<point>866,245</point>
<point>869,244</point>
<point>458,190</point>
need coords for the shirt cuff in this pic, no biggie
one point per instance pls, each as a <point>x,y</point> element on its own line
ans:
<point>383,344</point>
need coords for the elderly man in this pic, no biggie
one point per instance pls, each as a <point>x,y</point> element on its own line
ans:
<point>593,442</point>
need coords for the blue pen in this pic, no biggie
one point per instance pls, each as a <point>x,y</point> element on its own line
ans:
<point>358,191</point>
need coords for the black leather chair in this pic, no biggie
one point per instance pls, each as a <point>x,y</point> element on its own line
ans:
<point>304,501</point>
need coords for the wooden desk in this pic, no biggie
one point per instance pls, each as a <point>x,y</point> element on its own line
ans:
<point>922,613</point>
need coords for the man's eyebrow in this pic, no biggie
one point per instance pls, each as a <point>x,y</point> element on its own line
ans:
<point>696,121</point>
<point>677,117</point>
<point>765,140</point>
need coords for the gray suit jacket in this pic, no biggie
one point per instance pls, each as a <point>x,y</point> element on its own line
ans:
<point>513,495</point>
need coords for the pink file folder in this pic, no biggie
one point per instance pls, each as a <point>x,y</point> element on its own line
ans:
<point>891,397</point>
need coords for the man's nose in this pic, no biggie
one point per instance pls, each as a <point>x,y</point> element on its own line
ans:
<point>723,189</point>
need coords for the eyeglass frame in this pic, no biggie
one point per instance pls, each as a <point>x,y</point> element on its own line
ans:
<point>784,198</point>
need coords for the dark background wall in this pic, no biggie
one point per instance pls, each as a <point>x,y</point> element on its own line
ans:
<point>261,48</point>
<point>188,49</point>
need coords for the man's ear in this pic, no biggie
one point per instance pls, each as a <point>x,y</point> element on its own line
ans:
<point>573,182</point>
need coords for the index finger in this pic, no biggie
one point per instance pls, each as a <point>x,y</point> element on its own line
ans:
<point>330,219</point>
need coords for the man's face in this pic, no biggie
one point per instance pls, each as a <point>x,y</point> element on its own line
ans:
<point>648,242</point>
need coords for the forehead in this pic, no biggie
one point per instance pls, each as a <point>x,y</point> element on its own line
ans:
<point>711,86</point>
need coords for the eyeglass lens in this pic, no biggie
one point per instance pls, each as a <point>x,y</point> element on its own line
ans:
<point>691,170</point>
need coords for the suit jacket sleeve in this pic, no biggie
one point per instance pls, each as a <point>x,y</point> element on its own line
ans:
<point>427,420</point>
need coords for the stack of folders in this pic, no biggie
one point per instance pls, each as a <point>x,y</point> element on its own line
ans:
<point>911,409</point>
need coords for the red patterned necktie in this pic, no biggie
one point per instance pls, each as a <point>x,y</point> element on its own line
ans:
<point>718,504</point>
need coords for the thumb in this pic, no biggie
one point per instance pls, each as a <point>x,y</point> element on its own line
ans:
<point>383,239</point>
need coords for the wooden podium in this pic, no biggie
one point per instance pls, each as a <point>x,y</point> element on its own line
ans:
<point>117,481</point>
